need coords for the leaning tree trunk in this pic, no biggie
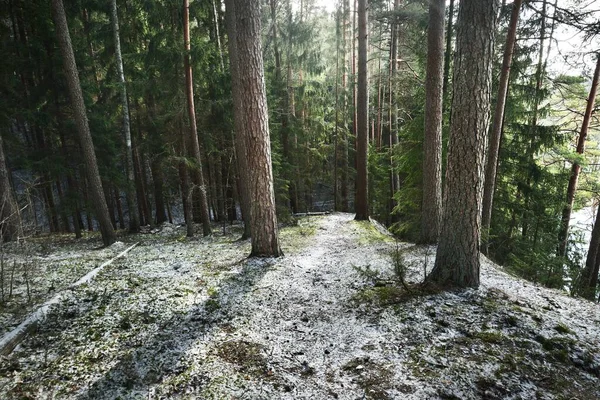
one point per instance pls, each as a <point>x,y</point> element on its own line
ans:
<point>432,147</point>
<point>10,220</point>
<point>194,144</point>
<point>457,260</point>
<point>576,168</point>
<point>254,115</point>
<point>362,122</point>
<point>239,143</point>
<point>496,134</point>
<point>83,129</point>
<point>134,219</point>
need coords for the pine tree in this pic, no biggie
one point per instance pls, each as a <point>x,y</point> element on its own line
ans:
<point>457,261</point>
<point>134,220</point>
<point>194,145</point>
<point>362,122</point>
<point>83,130</point>
<point>432,147</point>
<point>498,121</point>
<point>576,167</point>
<point>254,115</point>
<point>240,144</point>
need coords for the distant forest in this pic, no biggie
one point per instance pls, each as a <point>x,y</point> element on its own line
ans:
<point>471,124</point>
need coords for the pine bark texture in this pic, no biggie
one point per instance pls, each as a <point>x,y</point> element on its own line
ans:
<point>10,221</point>
<point>457,262</point>
<point>563,236</point>
<point>496,133</point>
<point>81,121</point>
<point>254,115</point>
<point>362,121</point>
<point>194,146</point>
<point>134,219</point>
<point>238,123</point>
<point>431,209</point>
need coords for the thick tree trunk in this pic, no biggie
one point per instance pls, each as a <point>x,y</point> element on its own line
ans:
<point>563,235</point>
<point>184,179</point>
<point>10,220</point>
<point>265,241</point>
<point>134,219</point>
<point>457,261</point>
<point>496,134</point>
<point>239,142</point>
<point>362,122</point>
<point>83,130</point>
<point>432,147</point>
<point>194,144</point>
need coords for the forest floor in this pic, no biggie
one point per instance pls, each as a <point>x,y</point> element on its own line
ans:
<point>194,319</point>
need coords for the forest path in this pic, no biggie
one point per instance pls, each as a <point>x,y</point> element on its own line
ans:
<point>195,319</point>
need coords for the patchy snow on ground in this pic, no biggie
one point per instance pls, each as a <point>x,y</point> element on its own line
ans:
<point>194,319</point>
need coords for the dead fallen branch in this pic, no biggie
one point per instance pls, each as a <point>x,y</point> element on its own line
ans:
<point>11,339</point>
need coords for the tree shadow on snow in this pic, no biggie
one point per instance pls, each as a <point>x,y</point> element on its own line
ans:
<point>165,356</point>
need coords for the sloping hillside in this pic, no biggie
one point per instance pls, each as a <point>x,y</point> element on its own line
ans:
<point>181,318</point>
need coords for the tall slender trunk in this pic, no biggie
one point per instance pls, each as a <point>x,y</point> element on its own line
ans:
<point>195,145</point>
<point>344,178</point>
<point>159,198</point>
<point>496,134</point>
<point>563,235</point>
<point>337,117</point>
<point>537,99</point>
<point>119,207</point>
<point>239,142</point>
<point>362,122</point>
<point>431,210</point>
<point>392,117</point>
<point>448,53</point>
<point>184,179</point>
<point>83,130</point>
<point>254,115</point>
<point>218,33</point>
<point>134,219</point>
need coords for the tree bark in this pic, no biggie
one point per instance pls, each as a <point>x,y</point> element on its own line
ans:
<point>10,220</point>
<point>392,114</point>
<point>239,142</point>
<point>563,235</point>
<point>362,122</point>
<point>496,134</point>
<point>134,219</point>
<point>432,147</point>
<point>457,261</point>
<point>195,145</point>
<point>83,130</point>
<point>265,241</point>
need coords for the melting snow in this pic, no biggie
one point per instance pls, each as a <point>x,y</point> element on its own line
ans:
<point>182,318</point>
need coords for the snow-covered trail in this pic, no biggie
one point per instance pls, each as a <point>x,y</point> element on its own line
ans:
<point>194,319</point>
